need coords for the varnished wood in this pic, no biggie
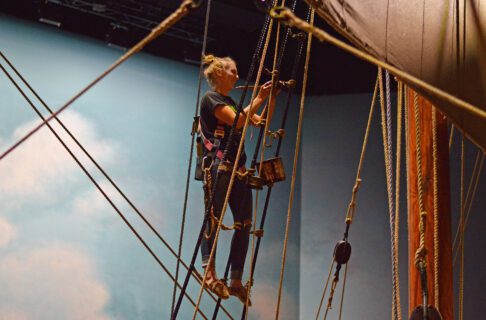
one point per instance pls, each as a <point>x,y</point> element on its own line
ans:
<point>445,252</point>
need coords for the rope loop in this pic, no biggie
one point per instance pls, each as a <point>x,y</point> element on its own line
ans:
<point>282,14</point>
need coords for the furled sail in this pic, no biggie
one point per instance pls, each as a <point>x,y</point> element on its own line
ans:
<point>442,42</point>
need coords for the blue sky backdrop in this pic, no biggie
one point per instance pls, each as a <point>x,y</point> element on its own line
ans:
<point>64,252</point>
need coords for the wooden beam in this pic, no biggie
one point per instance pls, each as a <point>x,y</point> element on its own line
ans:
<point>446,300</point>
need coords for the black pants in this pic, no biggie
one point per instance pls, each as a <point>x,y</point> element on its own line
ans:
<point>240,202</point>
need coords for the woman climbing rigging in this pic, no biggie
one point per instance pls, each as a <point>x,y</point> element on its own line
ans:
<point>218,111</point>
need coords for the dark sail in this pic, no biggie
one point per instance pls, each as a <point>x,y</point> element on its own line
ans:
<point>430,40</point>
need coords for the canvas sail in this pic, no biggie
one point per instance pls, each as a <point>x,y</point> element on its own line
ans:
<point>437,41</point>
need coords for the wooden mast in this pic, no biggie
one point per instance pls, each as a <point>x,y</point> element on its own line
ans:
<point>446,300</point>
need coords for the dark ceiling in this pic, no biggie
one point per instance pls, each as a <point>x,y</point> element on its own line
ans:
<point>233,30</point>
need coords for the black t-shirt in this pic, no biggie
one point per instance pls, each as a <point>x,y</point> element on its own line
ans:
<point>210,101</point>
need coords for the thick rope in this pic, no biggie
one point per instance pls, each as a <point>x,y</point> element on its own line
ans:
<point>101,190</point>
<point>407,142</point>
<point>388,170</point>
<point>105,174</point>
<point>191,152</point>
<point>391,203</point>
<point>436,208</point>
<point>357,183</point>
<point>294,71</point>
<point>294,170</point>
<point>352,204</point>
<point>177,15</point>
<point>262,157</point>
<point>250,73</point>
<point>420,254</point>
<point>289,18</point>
<point>397,198</point>
<point>235,167</point>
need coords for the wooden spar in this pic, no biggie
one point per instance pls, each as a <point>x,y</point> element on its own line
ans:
<point>446,300</point>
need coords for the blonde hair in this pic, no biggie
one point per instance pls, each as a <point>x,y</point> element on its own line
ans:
<point>212,65</point>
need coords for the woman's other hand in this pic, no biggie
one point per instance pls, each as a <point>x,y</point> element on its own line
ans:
<point>265,90</point>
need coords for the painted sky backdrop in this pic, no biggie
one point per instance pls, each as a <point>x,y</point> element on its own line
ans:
<point>64,253</point>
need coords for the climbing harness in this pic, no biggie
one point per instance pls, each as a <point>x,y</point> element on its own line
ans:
<point>230,138</point>
<point>233,173</point>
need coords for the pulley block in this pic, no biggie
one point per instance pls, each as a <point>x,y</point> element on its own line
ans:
<point>342,252</point>
<point>432,313</point>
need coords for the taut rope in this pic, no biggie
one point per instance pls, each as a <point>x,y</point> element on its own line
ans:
<point>235,167</point>
<point>294,170</point>
<point>91,178</point>
<point>191,152</point>
<point>177,15</point>
<point>436,207</point>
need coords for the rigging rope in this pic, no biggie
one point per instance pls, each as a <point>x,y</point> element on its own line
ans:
<point>178,14</point>
<point>275,70</point>
<point>225,154</point>
<point>234,169</point>
<point>105,174</point>
<point>386,134</point>
<point>389,153</point>
<point>325,288</point>
<point>294,170</point>
<point>191,151</point>
<point>83,168</point>
<point>470,195</point>
<point>257,52</point>
<point>397,197</point>
<point>342,293</point>
<point>436,207</point>
<point>451,137</point>
<point>352,204</point>
<point>280,137</point>
<point>421,252</point>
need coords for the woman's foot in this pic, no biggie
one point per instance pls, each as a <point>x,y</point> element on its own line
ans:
<point>241,292</point>
<point>218,287</point>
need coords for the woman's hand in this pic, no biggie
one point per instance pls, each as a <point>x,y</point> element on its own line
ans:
<point>265,90</point>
